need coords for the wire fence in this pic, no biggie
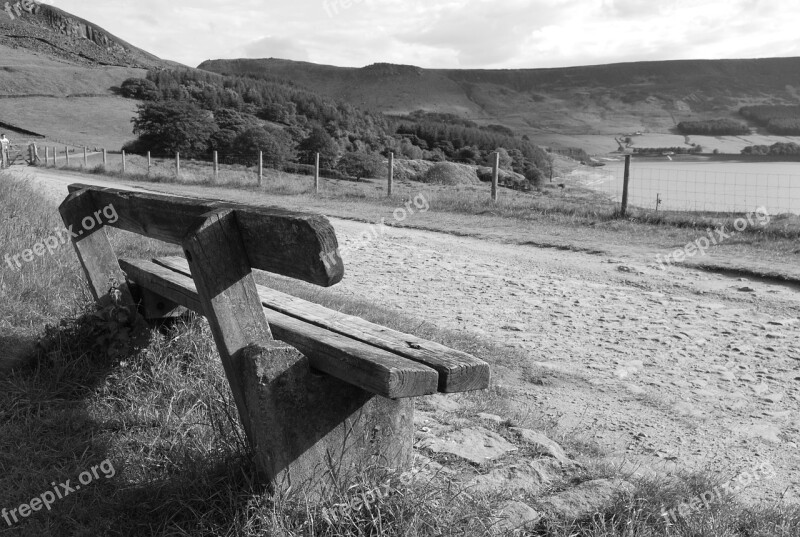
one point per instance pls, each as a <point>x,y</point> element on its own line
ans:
<point>654,185</point>
<point>706,186</point>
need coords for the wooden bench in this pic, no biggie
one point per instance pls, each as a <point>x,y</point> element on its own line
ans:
<point>320,394</point>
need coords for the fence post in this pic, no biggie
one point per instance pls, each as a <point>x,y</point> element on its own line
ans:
<point>105,158</point>
<point>216,167</point>
<point>46,156</point>
<point>316,174</point>
<point>149,163</point>
<point>626,180</point>
<point>85,158</point>
<point>66,153</point>
<point>495,175</point>
<point>391,175</point>
<point>124,164</point>
<point>260,167</point>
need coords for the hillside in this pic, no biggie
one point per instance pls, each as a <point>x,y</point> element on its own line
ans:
<point>552,103</point>
<point>47,55</point>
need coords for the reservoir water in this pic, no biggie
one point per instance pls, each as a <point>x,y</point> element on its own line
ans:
<point>702,185</point>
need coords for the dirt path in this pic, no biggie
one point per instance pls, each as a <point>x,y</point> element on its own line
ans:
<point>673,370</point>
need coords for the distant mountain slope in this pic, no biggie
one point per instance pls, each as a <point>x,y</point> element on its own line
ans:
<point>48,30</point>
<point>47,54</point>
<point>603,99</point>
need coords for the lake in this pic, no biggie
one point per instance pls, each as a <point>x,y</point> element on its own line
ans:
<point>685,184</point>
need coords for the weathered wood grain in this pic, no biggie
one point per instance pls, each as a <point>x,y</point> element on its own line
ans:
<point>94,251</point>
<point>368,367</point>
<point>458,371</point>
<point>294,244</point>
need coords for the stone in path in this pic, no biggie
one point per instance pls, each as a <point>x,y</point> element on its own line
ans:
<point>476,445</point>
<point>513,516</point>
<point>585,499</point>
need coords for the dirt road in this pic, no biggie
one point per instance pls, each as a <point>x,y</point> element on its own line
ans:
<point>671,370</point>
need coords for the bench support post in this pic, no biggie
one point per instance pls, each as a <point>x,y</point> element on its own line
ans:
<point>94,251</point>
<point>305,428</point>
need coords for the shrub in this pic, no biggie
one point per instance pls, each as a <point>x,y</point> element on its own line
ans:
<point>535,177</point>
<point>139,88</point>
<point>449,173</point>
<point>360,164</point>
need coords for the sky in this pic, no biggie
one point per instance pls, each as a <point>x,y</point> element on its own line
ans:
<point>460,34</point>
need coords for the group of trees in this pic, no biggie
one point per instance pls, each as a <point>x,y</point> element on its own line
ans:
<point>780,148</point>
<point>682,150</point>
<point>777,119</point>
<point>196,112</point>
<point>713,127</point>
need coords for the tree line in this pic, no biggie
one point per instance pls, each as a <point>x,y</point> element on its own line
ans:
<point>197,112</point>
<point>713,127</point>
<point>777,119</point>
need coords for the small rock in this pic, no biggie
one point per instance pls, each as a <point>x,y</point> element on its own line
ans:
<point>586,499</point>
<point>514,515</point>
<point>441,403</point>
<point>746,289</point>
<point>773,398</point>
<point>476,445</point>
<point>528,476</point>
<point>491,417</point>
<point>543,445</point>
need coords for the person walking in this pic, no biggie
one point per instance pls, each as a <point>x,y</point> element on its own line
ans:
<point>5,143</point>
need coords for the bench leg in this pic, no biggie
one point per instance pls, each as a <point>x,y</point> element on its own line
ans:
<point>313,432</point>
<point>307,430</point>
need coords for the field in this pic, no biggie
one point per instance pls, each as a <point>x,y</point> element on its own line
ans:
<point>77,121</point>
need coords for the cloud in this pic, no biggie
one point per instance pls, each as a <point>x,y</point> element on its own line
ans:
<point>275,47</point>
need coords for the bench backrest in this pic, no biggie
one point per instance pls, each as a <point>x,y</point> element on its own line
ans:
<point>294,244</point>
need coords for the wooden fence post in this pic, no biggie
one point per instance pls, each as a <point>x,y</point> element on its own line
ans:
<point>495,175</point>
<point>46,156</point>
<point>66,153</point>
<point>316,174</point>
<point>626,180</point>
<point>149,163</point>
<point>216,167</point>
<point>260,167</point>
<point>85,158</point>
<point>177,163</point>
<point>391,175</point>
<point>124,163</point>
<point>105,158</point>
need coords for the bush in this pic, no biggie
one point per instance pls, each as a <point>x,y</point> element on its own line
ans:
<point>449,173</point>
<point>535,177</point>
<point>362,165</point>
<point>139,88</point>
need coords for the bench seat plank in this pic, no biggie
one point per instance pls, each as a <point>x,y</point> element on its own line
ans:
<point>368,367</point>
<point>458,371</point>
